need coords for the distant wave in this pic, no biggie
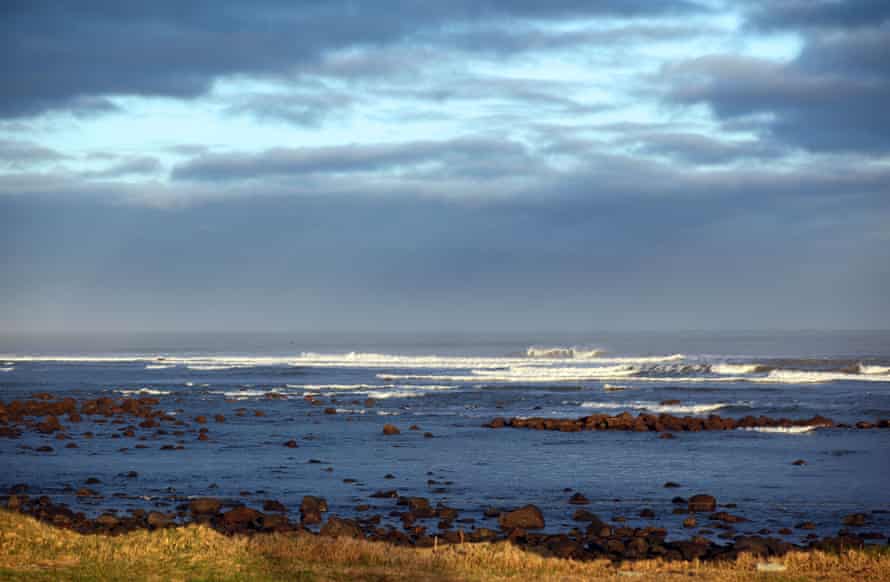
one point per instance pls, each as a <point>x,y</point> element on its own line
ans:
<point>802,377</point>
<point>662,408</point>
<point>872,370</point>
<point>735,369</point>
<point>159,366</point>
<point>7,369</point>
<point>210,367</point>
<point>557,352</point>
<point>145,392</point>
<point>781,429</point>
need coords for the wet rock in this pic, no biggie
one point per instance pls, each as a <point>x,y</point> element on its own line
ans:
<point>385,494</point>
<point>855,519</point>
<point>330,411</point>
<point>585,515</point>
<point>219,418</point>
<point>491,512</point>
<point>690,522</point>
<point>291,444</point>
<point>667,435</point>
<point>799,462</point>
<point>201,419</point>
<point>427,435</point>
<point>337,527</point>
<point>390,429</point>
<point>496,423</point>
<point>272,505</point>
<point>726,517</point>
<point>527,517</point>
<point>311,509</point>
<point>578,499</point>
<point>702,503</point>
<point>647,513</point>
<point>671,485</point>
<point>806,525</point>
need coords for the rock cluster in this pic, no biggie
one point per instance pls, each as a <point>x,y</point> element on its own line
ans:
<point>666,423</point>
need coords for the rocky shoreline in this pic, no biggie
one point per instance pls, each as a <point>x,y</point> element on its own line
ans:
<point>593,538</point>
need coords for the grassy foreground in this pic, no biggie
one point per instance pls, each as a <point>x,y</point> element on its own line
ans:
<point>30,550</point>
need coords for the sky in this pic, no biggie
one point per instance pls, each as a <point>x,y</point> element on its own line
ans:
<point>492,165</point>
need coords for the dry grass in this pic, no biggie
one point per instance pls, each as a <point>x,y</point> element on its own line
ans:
<point>35,551</point>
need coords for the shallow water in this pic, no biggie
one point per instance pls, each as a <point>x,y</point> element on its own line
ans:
<point>449,387</point>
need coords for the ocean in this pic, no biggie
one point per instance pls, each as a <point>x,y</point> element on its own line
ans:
<point>315,390</point>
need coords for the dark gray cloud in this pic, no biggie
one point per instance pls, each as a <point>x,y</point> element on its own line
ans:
<point>73,55</point>
<point>832,97</point>
<point>458,155</point>
<point>792,14</point>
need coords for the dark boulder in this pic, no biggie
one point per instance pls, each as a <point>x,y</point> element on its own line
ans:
<point>527,517</point>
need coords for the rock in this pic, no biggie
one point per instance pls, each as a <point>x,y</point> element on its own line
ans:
<point>647,513</point>
<point>578,499</point>
<point>855,519</point>
<point>667,435</point>
<point>390,429</point>
<point>385,494</point>
<point>311,509</point>
<point>799,462</point>
<point>584,515</point>
<point>219,418</point>
<point>496,423</point>
<point>204,506</point>
<point>671,485</point>
<point>201,419</point>
<point>272,505</point>
<point>483,534</point>
<point>427,435</point>
<point>291,444</point>
<point>107,520</point>
<point>527,517</point>
<point>690,522</point>
<point>241,517</point>
<point>806,525</point>
<point>337,527</point>
<point>702,503</point>
<point>330,411</point>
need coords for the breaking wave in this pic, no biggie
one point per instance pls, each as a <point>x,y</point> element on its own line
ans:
<point>781,429</point>
<point>662,408</point>
<point>144,392</point>
<point>556,352</point>
<point>873,370</point>
<point>735,369</point>
<point>802,377</point>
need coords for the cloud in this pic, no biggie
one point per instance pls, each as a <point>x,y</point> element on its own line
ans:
<point>457,155</point>
<point>17,153</point>
<point>138,166</point>
<point>74,56</point>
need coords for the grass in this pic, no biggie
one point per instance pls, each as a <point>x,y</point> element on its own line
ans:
<point>30,550</point>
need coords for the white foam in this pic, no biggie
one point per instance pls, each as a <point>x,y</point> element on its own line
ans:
<point>781,429</point>
<point>243,394</point>
<point>733,369</point>
<point>210,367</point>
<point>562,353</point>
<point>145,391</point>
<point>527,374</point>
<point>658,408</point>
<point>809,377</point>
<point>871,370</point>
<point>7,369</point>
<point>614,387</point>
